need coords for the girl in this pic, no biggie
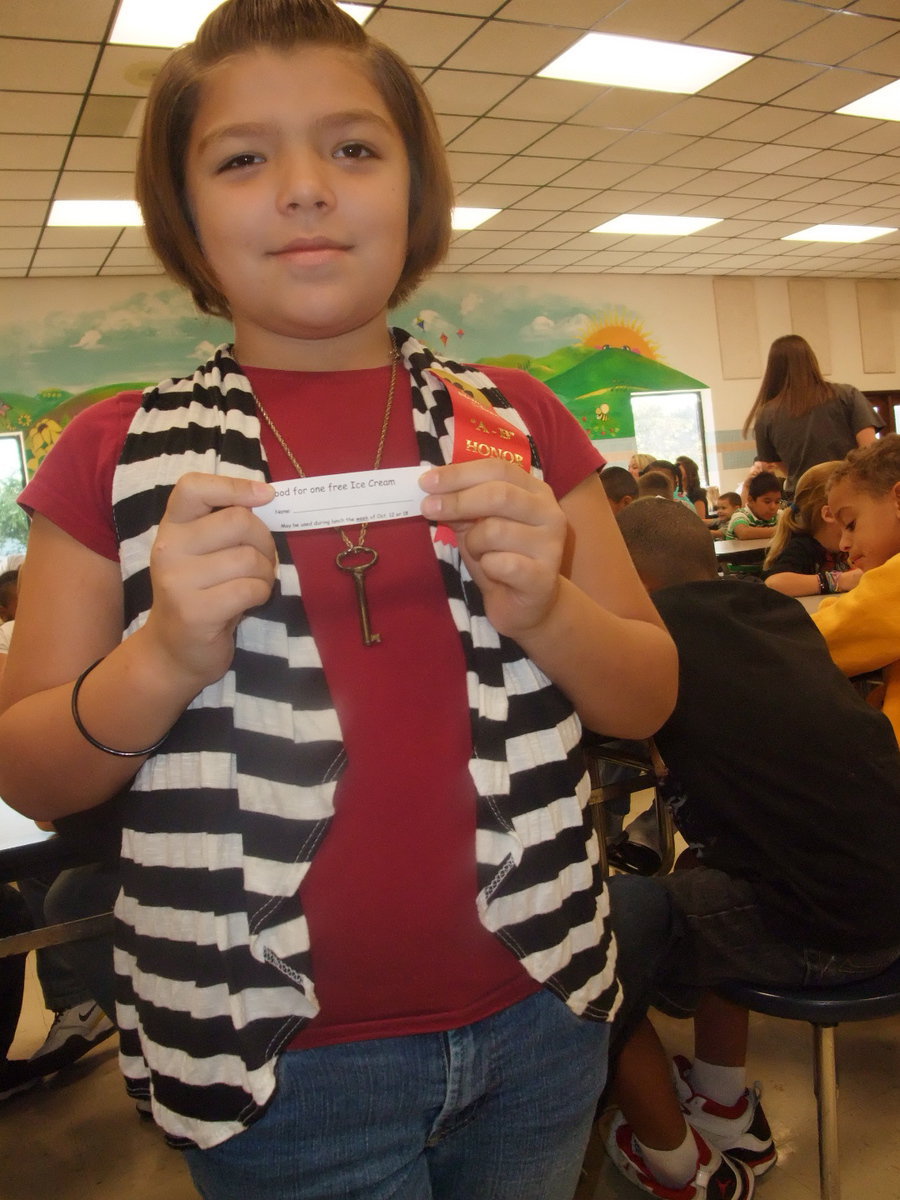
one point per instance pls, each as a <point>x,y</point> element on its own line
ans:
<point>639,462</point>
<point>689,485</point>
<point>800,419</point>
<point>805,558</point>
<point>362,938</point>
<point>862,629</point>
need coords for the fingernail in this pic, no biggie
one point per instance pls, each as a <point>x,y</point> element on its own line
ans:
<point>432,506</point>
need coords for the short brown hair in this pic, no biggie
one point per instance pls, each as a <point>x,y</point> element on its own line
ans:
<point>241,25</point>
<point>667,543</point>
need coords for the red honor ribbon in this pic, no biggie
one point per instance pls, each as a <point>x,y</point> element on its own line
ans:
<point>479,432</point>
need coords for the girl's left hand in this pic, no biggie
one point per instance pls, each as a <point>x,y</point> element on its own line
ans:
<point>512,536</point>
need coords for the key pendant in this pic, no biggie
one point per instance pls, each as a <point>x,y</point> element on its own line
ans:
<point>368,558</point>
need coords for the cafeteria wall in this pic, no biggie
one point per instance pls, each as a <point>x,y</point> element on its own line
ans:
<point>73,340</point>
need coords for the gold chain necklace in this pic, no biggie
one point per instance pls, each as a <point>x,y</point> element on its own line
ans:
<point>356,558</point>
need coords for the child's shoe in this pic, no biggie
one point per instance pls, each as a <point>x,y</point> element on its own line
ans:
<point>717,1177</point>
<point>739,1130</point>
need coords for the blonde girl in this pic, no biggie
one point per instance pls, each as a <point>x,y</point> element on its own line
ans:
<point>363,945</point>
<point>805,558</point>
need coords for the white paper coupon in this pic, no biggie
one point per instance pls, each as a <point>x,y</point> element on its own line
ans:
<point>319,501</point>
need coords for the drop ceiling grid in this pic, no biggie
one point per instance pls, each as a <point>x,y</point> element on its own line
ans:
<point>761,148</point>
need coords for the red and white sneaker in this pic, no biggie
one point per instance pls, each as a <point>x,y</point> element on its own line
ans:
<point>717,1177</point>
<point>739,1130</point>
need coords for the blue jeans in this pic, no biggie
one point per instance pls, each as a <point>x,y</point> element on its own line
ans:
<point>497,1110</point>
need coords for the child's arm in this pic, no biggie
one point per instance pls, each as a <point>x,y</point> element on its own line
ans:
<point>752,533</point>
<point>557,578</point>
<point>861,628</point>
<point>212,560</point>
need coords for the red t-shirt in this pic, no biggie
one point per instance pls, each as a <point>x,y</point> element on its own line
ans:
<point>390,895</point>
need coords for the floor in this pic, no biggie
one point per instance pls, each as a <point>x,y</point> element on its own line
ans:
<point>78,1137</point>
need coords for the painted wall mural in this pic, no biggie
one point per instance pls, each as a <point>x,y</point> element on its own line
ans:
<point>593,358</point>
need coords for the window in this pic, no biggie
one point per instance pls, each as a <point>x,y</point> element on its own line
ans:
<point>667,424</point>
<point>13,522</point>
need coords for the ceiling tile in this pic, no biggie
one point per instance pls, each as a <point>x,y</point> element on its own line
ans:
<point>826,132</point>
<point>570,222</point>
<point>708,153</point>
<point>546,100</point>
<point>85,257</point>
<point>96,185</point>
<point>469,92</point>
<point>881,167</point>
<point>835,39</point>
<point>661,19</point>
<point>765,124</point>
<point>21,238</point>
<point>537,171</point>
<point>514,219</point>
<point>85,21</point>
<point>23,153</point>
<point>15,258</point>
<point>574,141</point>
<point>134,235</point>
<point>700,115</point>
<point>65,238</point>
<point>102,154</point>
<point>882,57</point>
<point>717,183</point>
<point>767,160</point>
<point>513,46</point>
<point>492,195</point>
<point>37,112</point>
<point>754,26</point>
<point>762,80</point>
<point>28,185</point>
<point>469,168</point>
<point>424,39</point>
<point>627,108</point>
<point>111,116</point>
<point>43,66</point>
<point>127,70</point>
<point>451,126</point>
<point>543,239</point>
<point>579,14</point>
<point>22,212</point>
<point>468,8</point>
<point>827,163</point>
<point>492,136</point>
<point>554,199</point>
<point>831,89</point>
<point>596,175</point>
<point>645,147</point>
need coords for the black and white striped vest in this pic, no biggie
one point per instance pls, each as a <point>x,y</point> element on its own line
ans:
<point>213,962</point>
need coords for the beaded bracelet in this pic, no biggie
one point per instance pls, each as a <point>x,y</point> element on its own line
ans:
<point>88,737</point>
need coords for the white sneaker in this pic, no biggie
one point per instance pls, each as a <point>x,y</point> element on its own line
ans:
<point>71,1035</point>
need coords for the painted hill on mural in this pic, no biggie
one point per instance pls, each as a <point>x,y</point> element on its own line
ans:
<point>597,385</point>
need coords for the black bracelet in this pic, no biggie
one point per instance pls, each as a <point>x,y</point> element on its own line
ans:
<point>823,583</point>
<point>88,737</point>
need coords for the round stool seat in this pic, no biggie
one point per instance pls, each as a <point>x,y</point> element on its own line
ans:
<point>862,1000</point>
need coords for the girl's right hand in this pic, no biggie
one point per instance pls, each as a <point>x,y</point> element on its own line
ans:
<point>847,580</point>
<point>212,560</point>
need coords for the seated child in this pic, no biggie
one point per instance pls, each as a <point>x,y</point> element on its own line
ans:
<point>726,506</point>
<point>672,473</point>
<point>805,557</point>
<point>756,519</point>
<point>862,629</point>
<point>655,483</point>
<point>766,819</point>
<point>620,487</point>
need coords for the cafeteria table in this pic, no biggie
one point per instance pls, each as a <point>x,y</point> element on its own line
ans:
<point>26,850</point>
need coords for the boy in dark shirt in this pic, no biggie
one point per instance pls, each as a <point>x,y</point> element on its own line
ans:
<point>780,894</point>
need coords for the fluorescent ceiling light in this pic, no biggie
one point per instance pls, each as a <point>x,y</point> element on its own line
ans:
<point>640,63</point>
<point>471,218</point>
<point>174,22</point>
<point>117,213</point>
<point>651,223</point>
<point>882,105</point>
<point>839,233</point>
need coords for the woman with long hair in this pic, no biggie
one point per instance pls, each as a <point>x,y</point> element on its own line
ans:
<point>799,418</point>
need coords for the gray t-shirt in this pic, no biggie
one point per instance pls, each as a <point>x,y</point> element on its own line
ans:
<point>826,432</point>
